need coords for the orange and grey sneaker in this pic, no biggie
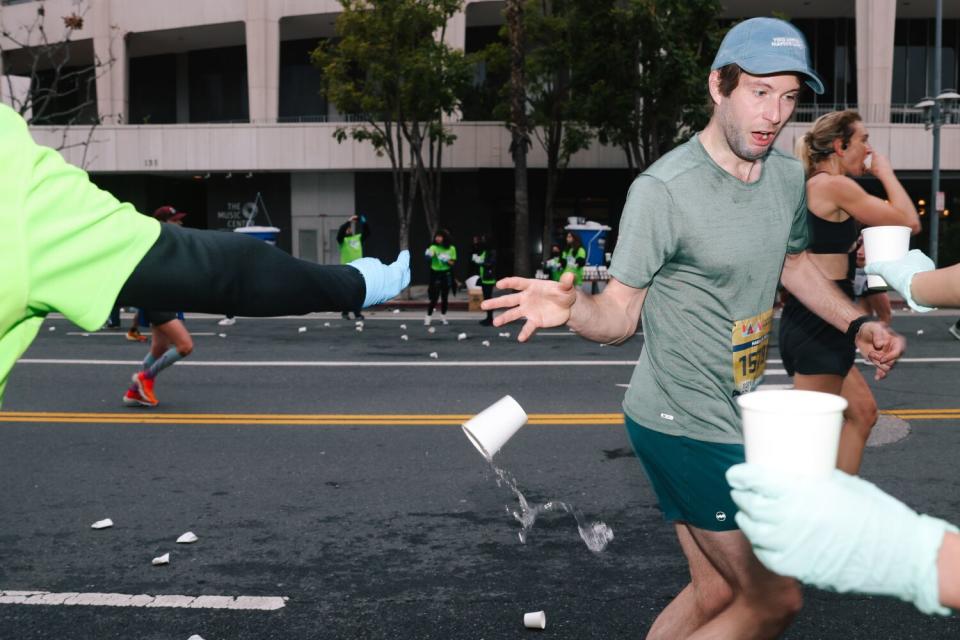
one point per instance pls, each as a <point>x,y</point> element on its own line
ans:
<point>134,335</point>
<point>132,398</point>
<point>145,387</point>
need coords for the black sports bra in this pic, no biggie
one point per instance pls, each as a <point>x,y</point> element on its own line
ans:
<point>831,237</point>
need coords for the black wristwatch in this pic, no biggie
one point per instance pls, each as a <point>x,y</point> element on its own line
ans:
<point>854,327</point>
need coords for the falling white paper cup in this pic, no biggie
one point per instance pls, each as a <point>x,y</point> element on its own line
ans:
<point>884,243</point>
<point>793,432</point>
<point>490,429</point>
<point>535,620</point>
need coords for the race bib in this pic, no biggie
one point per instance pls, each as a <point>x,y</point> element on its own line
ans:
<point>749,343</point>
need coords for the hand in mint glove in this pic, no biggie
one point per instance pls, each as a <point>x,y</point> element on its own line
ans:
<point>899,274</point>
<point>383,281</point>
<point>841,533</point>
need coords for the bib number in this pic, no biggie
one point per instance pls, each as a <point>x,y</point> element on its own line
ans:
<point>749,341</point>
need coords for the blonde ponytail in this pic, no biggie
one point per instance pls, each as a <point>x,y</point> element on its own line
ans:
<point>817,143</point>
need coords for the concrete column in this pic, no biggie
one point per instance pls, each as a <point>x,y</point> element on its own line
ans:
<point>875,25</point>
<point>263,61</point>
<point>110,49</point>
<point>455,37</point>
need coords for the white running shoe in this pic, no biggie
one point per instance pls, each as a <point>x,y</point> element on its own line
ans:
<point>226,322</point>
<point>426,321</point>
<point>443,319</point>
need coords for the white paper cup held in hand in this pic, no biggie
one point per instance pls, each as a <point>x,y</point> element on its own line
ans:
<point>491,428</point>
<point>884,243</point>
<point>790,431</point>
<point>535,620</point>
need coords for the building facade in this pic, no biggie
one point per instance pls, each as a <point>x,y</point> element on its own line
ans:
<point>212,106</point>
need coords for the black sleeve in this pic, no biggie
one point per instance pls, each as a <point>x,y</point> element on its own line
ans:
<point>342,232</point>
<point>581,262</point>
<point>232,274</point>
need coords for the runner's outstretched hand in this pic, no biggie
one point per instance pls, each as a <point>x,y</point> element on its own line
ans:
<point>881,345</point>
<point>544,303</point>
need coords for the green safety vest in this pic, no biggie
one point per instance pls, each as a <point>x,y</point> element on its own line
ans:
<point>569,263</point>
<point>485,278</point>
<point>436,251</point>
<point>351,248</point>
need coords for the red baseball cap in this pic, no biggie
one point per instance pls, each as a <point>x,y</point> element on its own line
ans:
<point>167,213</point>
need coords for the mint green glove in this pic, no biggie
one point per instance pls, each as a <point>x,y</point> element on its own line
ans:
<point>841,534</point>
<point>383,281</point>
<point>899,274</point>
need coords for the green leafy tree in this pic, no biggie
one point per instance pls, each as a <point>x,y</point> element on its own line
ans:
<point>552,110</point>
<point>643,67</point>
<point>390,67</point>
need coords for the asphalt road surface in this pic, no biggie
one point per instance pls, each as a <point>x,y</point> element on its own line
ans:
<point>335,496</point>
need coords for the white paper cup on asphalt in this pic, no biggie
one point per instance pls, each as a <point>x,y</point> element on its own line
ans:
<point>790,431</point>
<point>535,620</point>
<point>491,428</point>
<point>884,243</point>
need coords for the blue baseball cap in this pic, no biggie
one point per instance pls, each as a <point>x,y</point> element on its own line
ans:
<point>764,46</point>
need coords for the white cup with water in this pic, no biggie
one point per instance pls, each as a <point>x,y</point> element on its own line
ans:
<point>793,432</point>
<point>884,243</point>
<point>490,429</point>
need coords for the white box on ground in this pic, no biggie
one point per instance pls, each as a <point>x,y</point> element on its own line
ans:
<point>793,432</point>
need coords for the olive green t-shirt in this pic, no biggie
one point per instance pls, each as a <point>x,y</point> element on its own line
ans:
<point>709,249</point>
<point>65,245</point>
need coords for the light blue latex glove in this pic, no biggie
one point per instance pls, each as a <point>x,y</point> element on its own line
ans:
<point>384,281</point>
<point>841,533</point>
<point>899,274</point>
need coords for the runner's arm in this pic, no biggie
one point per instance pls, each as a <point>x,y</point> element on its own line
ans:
<point>610,317</point>
<point>877,342</point>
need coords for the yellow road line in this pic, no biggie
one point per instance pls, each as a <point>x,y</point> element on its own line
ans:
<point>145,417</point>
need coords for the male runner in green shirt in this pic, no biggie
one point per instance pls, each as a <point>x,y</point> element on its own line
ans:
<point>704,236</point>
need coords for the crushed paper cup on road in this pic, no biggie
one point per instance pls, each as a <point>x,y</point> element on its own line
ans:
<point>434,355</point>
<point>884,243</point>
<point>485,343</point>
<point>164,559</point>
<point>404,337</point>
<point>535,620</point>
<point>358,323</point>
<point>505,334</point>
<point>302,330</point>
<point>326,324</point>
<point>432,330</point>
<point>187,538</point>
<point>490,429</point>
<point>461,336</point>
<point>919,332</point>
<point>360,329</point>
<point>791,431</point>
<point>403,327</point>
<point>195,637</point>
<point>395,311</point>
<point>102,524</point>
<point>222,335</point>
<point>53,328</point>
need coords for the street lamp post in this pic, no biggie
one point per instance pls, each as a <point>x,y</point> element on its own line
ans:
<point>933,109</point>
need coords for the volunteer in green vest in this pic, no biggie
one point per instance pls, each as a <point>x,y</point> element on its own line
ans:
<point>573,258</point>
<point>485,259</point>
<point>351,242</point>
<point>553,266</point>
<point>68,247</point>
<point>443,255</point>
